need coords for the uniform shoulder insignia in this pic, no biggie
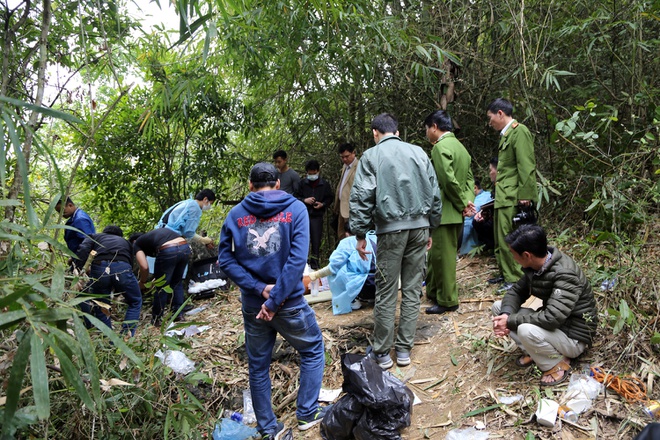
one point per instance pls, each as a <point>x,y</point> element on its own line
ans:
<point>514,125</point>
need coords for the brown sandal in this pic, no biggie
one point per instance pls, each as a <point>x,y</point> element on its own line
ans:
<point>524,361</point>
<point>561,366</point>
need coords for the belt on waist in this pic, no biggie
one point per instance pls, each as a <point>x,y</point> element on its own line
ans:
<point>169,245</point>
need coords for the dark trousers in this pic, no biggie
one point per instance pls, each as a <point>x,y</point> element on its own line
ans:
<point>170,265</point>
<point>117,275</point>
<point>315,236</point>
<point>485,232</point>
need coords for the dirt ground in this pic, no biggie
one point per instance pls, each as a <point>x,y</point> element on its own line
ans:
<point>457,367</point>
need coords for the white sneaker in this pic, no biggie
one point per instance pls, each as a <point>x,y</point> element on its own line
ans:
<point>356,304</point>
<point>383,360</point>
<point>402,358</point>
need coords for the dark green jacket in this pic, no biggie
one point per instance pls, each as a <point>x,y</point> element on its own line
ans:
<point>516,167</point>
<point>568,301</point>
<point>452,164</point>
<point>395,189</point>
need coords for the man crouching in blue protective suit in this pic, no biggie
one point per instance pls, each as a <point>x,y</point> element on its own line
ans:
<point>263,249</point>
<point>352,280</point>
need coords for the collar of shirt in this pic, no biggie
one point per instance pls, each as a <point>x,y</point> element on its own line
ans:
<point>506,127</point>
<point>545,264</point>
<point>443,135</point>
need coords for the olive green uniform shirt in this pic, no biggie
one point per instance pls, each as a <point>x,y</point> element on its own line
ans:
<point>516,167</point>
<point>452,164</point>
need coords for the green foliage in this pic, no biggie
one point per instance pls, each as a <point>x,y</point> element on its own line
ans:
<point>622,317</point>
<point>38,313</point>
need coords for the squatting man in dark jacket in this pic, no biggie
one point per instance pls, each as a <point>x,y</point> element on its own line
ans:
<point>563,327</point>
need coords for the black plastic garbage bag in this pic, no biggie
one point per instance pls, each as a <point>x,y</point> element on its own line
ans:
<point>342,417</point>
<point>650,432</point>
<point>387,403</point>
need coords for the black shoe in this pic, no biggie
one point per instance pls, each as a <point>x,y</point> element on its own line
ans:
<point>186,309</point>
<point>180,318</point>
<point>156,321</point>
<point>439,310</point>
<point>496,280</point>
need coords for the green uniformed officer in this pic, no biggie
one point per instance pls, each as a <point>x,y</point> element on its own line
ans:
<point>516,182</point>
<point>452,166</point>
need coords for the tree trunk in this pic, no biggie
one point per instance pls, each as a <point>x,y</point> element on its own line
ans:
<point>34,116</point>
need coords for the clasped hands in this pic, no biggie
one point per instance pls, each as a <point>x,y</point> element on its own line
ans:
<point>265,313</point>
<point>499,325</point>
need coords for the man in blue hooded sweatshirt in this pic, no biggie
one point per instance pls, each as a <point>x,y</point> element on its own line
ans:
<point>263,249</point>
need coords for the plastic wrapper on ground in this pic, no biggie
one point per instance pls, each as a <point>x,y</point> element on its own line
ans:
<point>229,429</point>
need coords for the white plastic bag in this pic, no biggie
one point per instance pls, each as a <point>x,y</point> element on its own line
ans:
<point>467,434</point>
<point>587,385</point>
<point>176,360</point>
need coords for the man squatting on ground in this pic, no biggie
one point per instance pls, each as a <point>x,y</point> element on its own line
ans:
<point>564,326</point>
<point>396,190</point>
<point>263,249</point>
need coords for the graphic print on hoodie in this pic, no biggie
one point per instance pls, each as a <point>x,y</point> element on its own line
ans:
<point>265,240</point>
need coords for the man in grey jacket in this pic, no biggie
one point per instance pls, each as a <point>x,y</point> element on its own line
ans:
<point>564,326</point>
<point>396,191</point>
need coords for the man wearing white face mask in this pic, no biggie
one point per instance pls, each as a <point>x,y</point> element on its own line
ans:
<point>182,219</point>
<point>317,195</point>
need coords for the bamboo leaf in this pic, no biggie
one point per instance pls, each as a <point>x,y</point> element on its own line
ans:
<point>89,355</point>
<point>7,318</point>
<point>39,377</point>
<point>11,298</point>
<point>52,315</point>
<point>71,373</point>
<point>593,205</point>
<point>482,410</point>
<point>116,340</point>
<point>43,110</point>
<point>3,150</point>
<point>15,382</point>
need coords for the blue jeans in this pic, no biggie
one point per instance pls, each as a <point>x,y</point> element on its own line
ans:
<point>300,329</point>
<point>171,262</point>
<point>119,277</point>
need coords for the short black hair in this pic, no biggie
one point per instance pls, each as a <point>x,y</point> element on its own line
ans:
<point>501,104</point>
<point>493,161</point>
<point>280,153</point>
<point>68,200</point>
<point>440,118</point>
<point>528,238</point>
<point>385,123</point>
<point>477,182</point>
<point>312,165</point>
<point>113,230</point>
<point>210,195</point>
<point>346,146</point>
